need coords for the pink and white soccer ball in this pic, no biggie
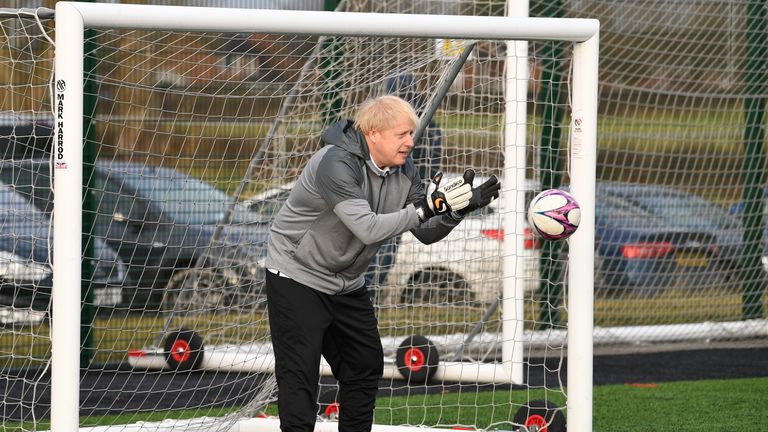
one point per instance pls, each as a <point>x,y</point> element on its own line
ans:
<point>554,214</point>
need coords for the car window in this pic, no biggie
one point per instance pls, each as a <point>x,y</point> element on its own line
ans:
<point>186,202</point>
<point>10,201</point>
<point>612,211</point>
<point>179,198</point>
<point>687,210</point>
<point>15,209</point>
<point>31,181</point>
<point>19,218</point>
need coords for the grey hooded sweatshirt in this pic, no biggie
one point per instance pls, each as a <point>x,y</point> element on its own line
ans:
<point>341,210</point>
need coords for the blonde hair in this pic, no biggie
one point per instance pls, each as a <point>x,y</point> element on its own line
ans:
<point>383,112</point>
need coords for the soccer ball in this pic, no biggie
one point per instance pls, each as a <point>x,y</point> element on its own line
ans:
<point>554,214</point>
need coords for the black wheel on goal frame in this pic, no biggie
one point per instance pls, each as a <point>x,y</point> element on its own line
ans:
<point>183,350</point>
<point>417,359</point>
<point>540,416</point>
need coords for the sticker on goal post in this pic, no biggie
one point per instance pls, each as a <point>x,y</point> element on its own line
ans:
<point>450,48</point>
<point>577,132</point>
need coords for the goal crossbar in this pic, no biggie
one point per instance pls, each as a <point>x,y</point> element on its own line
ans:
<point>179,18</point>
<point>73,18</point>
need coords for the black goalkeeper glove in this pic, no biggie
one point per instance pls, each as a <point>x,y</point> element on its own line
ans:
<point>454,195</point>
<point>481,195</point>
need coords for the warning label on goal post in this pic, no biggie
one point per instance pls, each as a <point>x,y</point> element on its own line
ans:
<point>450,48</point>
<point>577,135</point>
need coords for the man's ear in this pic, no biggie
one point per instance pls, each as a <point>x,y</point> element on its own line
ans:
<point>372,136</point>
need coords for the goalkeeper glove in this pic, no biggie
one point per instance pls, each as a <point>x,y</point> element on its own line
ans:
<point>454,195</point>
<point>481,195</point>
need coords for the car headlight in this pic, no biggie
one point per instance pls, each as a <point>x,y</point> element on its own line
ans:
<point>16,268</point>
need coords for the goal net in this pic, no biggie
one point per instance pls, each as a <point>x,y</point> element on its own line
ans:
<point>172,136</point>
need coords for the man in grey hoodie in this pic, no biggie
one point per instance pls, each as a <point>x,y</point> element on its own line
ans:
<point>360,189</point>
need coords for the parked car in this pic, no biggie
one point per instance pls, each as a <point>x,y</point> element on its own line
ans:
<point>688,211</point>
<point>640,249</point>
<point>737,211</point>
<point>464,266</point>
<point>640,252</point>
<point>26,278</point>
<point>27,135</point>
<point>162,223</point>
<point>648,240</point>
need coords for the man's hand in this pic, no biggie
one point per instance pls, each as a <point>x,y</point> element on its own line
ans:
<point>482,195</point>
<point>453,195</point>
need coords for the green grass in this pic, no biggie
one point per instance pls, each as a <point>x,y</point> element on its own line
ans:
<point>105,420</point>
<point>709,405</point>
<point>695,406</point>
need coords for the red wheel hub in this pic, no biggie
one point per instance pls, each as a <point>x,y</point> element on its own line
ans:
<point>414,359</point>
<point>332,410</point>
<point>537,421</point>
<point>180,351</point>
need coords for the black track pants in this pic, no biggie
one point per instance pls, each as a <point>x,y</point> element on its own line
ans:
<point>306,323</point>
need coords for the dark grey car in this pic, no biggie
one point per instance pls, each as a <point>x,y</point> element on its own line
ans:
<point>166,226</point>
<point>25,272</point>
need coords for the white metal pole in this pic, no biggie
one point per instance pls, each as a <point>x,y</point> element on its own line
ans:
<point>515,120</point>
<point>583,157</point>
<point>171,18</point>
<point>67,219</point>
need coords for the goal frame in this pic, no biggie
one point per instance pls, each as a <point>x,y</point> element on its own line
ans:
<point>72,18</point>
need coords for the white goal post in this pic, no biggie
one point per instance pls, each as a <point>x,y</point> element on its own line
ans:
<point>72,19</point>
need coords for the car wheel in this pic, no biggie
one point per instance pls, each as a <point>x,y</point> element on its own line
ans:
<point>183,350</point>
<point>540,416</point>
<point>198,289</point>
<point>436,286</point>
<point>175,295</point>
<point>417,359</point>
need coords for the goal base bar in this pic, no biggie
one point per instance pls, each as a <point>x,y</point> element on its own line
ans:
<point>229,358</point>
<point>265,424</point>
<point>271,424</point>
